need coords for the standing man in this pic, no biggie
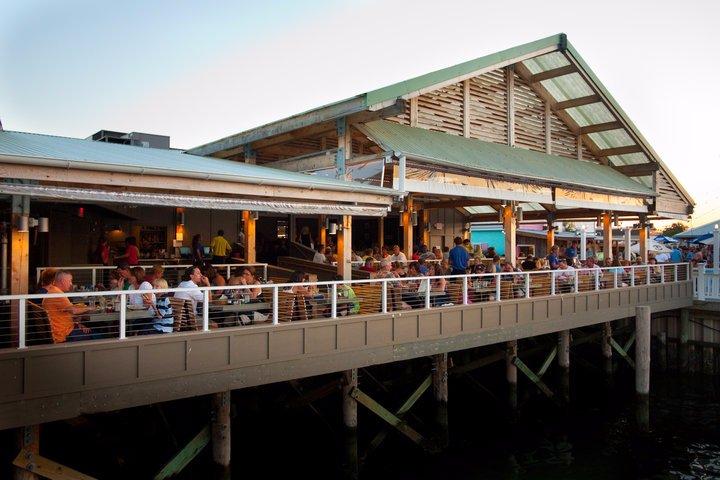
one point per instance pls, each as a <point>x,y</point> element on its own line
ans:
<point>220,247</point>
<point>459,257</point>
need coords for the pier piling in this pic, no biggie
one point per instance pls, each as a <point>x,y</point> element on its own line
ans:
<point>350,420</point>
<point>220,429</point>
<point>440,392</point>
<point>511,374</point>
<point>684,353</point>
<point>564,364</point>
<point>642,365</point>
<point>28,440</point>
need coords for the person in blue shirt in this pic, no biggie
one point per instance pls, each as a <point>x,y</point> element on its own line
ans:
<point>675,255</point>
<point>459,257</point>
<point>553,259</point>
<point>571,253</point>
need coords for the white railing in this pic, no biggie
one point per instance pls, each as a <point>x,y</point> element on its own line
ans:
<point>706,283</point>
<point>123,314</point>
<point>99,274</point>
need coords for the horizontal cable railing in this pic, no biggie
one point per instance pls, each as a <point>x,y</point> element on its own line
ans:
<point>706,283</point>
<point>28,320</point>
<point>89,276</point>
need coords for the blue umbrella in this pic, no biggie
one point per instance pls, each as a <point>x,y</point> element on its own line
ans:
<point>699,239</point>
<point>664,239</point>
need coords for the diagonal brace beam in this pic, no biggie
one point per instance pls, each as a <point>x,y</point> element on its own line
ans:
<point>629,343</point>
<point>387,416</point>
<point>548,361</point>
<point>404,408</point>
<point>622,352</point>
<point>531,375</point>
<point>186,455</point>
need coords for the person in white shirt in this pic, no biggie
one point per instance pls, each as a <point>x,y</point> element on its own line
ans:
<point>397,255</point>
<point>192,278</point>
<point>319,257</point>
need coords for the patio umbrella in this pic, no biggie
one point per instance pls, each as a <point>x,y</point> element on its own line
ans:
<point>664,239</point>
<point>653,246</point>
<point>699,240</point>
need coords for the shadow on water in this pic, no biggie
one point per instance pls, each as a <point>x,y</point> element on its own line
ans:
<point>594,438</point>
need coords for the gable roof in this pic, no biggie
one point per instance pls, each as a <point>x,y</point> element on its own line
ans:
<point>623,144</point>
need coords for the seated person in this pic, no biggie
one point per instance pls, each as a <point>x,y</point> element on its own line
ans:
<point>61,312</point>
<point>137,282</point>
<point>565,276</point>
<point>386,269</point>
<point>163,322</point>
<point>47,277</point>
<point>346,291</point>
<point>246,277</point>
<point>438,286</point>
<point>368,265</point>
<point>192,278</point>
<point>319,255</point>
<point>528,264</point>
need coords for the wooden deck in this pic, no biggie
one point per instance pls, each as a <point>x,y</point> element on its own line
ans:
<point>54,382</point>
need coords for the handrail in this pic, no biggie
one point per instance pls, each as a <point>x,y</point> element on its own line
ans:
<point>563,282</point>
<point>95,268</point>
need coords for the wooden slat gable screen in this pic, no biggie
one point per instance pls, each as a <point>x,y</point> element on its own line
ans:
<point>441,110</point>
<point>562,141</point>
<point>666,189</point>
<point>403,118</point>
<point>488,107</point>
<point>529,117</point>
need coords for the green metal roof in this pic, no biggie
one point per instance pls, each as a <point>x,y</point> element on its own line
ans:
<point>87,154</point>
<point>501,160</point>
<point>510,55</point>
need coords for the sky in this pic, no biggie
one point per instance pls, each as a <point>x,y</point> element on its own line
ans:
<point>199,71</point>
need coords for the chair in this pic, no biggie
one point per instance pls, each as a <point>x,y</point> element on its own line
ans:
<point>38,325</point>
<point>184,317</point>
<point>506,289</point>
<point>540,285</point>
<point>586,282</point>
<point>455,291</point>
<point>291,307</point>
<point>370,296</point>
<point>640,276</point>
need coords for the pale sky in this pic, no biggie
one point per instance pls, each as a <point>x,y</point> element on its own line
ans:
<point>198,71</point>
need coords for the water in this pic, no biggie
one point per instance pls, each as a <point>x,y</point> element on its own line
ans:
<point>594,438</point>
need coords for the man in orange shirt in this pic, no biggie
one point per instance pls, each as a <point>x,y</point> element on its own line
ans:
<point>61,311</point>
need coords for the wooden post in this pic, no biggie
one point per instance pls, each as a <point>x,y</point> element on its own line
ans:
<point>249,154</point>
<point>511,373</point>
<point>28,439</point>
<point>249,230</point>
<point>550,237</point>
<point>510,228</point>
<point>548,128</point>
<point>643,242</point>
<point>426,227</point>
<point>220,429</point>
<point>684,336</point>
<point>607,349</point>
<point>642,365</point>
<point>322,230</point>
<point>564,363</point>
<point>510,82</point>
<point>607,236</point>
<point>628,241</point>
<point>466,108</point>
<point>344,151</point>
<point>662,351</point>
<point>344,248</point>
<point>381,232</point>
<point>350,420</point>
<point>293,228</point>
<point>28,436</point>
<point>440,391</point>
<point>407,227</point>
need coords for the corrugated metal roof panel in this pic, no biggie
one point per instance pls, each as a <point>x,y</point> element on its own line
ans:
<point>96,155</point>
<point>491,158</point>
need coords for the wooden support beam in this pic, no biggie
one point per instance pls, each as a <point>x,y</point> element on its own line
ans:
<point>607,236</point>
<point>576,102</point>
<point>29,442</point>
<point>606,347</point>
<point>407,227</point>
<point>344,248</point>
<point>548,361</point>
<point>33,463</point>
<point>600,127</point>
<point>510,85</point>
<point>548,128</point>
<point>349,385</point>
<point>619,349</point>
<point>608,152</point>
<point>220,429</point>
<point>555,72</point>
<point>533,378</point>
<point>344,147</point>
<point>388,416</point>
<point>629,341</point>
<point>425,217</point>
<point>249,230</point>
<point>250,156</point>
<point>642,360</point>
<point>479,363</point>
<point>466,108</point>
<point>381,232</point>
<point>414,112</point>
<point>400,413</point>
<point>185,456</point>
<point>638,170</point>
<point>510,228</point>
<point>511,373</point>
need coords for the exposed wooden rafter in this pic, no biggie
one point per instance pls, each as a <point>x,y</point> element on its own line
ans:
<point>639,170</point>
<point>608,152</point>
<point>576,102</point>
<point>600,127</point>
<point>555,72</point>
